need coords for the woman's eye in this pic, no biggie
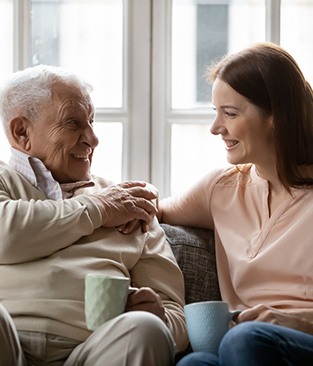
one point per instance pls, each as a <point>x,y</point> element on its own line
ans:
<point>230,114</point>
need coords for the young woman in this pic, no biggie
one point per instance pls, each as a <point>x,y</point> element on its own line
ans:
<point>261,208</point>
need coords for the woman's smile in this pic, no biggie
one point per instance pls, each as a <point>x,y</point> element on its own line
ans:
<point>245,130</point>
<point>230,144</point>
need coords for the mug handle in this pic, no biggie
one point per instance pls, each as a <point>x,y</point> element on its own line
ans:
<point>233,314</point>
<point>131,290</point>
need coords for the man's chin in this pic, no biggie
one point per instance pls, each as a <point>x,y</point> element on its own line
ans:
<point>76,178</point>
<point>84,178</point>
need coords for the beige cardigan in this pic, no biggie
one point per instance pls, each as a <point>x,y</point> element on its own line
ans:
<point>47,247</point>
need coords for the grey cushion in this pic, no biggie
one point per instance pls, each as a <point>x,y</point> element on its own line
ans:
<point>194,250</point>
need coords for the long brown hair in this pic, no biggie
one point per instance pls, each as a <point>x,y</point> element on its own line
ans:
<point>270,78</point>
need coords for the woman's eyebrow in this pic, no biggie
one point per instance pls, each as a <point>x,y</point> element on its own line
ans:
<point>224,106</point>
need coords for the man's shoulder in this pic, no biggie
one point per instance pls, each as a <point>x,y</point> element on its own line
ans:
<point>4,166</point>
<point>12,181</point>
<point>6,170</point>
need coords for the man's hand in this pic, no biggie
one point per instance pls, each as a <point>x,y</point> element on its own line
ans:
<point>126,202</point>
<point>145,299</point>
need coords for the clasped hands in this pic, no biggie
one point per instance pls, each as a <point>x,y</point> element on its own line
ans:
<point>128,205</point>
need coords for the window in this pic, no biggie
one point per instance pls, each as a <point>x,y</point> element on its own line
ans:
<point>201,33</point>
<point>146,60</point>
<point>296,27</point>
<point>91,44</point>
<point>188,36</point>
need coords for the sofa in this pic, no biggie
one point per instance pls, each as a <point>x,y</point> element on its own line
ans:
<point>194,250</point>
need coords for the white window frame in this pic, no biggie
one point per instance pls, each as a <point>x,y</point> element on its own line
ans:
<point>162,114</point>
<point>146,114</point>
<point>135,112</point>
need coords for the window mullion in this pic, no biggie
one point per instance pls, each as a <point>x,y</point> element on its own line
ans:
<point>22,34</point>
<point>273,21</point>
<point>137,132</point>
<point>161,95</point>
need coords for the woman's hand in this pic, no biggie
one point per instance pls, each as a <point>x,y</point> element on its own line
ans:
<point>145,299</point>
<point>268,314</point>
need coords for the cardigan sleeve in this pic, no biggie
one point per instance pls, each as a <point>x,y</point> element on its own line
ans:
<point>33,227</point>
<point>158,269</point>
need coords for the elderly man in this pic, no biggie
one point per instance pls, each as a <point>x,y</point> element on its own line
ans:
<point>59,223</point>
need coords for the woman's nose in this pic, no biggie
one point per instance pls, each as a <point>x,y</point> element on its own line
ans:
<point>217,127</point>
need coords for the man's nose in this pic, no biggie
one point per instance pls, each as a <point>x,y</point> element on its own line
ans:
<point>89,137</point>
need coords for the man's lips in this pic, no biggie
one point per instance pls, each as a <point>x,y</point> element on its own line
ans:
<point>81,156</point>
<point>86,155</point>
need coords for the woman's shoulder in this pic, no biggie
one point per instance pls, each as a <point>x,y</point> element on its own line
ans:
<point>236,174</point>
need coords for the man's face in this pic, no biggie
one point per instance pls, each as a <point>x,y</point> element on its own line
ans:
<point>63,137</point>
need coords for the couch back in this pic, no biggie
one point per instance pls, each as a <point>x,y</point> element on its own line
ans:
<point>194,250</point>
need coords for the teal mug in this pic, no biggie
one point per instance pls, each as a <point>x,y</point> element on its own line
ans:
<point>105,298</point>
<point>207,322</point>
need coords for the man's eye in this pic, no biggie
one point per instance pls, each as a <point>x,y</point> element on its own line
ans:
<point>230,114</point>
<point>72,123</point>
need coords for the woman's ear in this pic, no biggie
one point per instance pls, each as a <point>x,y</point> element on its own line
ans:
<point>19,133</point>
<point>270,120</point>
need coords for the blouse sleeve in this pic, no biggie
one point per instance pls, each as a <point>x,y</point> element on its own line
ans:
<point>191,208</point>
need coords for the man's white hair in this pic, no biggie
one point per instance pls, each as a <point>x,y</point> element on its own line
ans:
<point>25,91</point>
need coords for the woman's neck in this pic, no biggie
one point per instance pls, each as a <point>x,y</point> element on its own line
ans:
<point>277,193</point>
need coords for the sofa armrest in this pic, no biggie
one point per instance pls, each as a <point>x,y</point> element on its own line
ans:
<point>194,250</point>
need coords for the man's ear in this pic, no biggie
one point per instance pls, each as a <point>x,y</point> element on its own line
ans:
<point>19,133</point>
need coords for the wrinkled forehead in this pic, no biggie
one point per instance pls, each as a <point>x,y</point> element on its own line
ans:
<point>62,92</point>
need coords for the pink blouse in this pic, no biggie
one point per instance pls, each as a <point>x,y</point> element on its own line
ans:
<point>261,259</point>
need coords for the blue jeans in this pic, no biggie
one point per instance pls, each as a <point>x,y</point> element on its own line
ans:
<point>257,344</point>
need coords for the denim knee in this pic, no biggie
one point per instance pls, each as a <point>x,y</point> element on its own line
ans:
<point>199,359</point>
<point>240,335</point>
<point>250,341</point>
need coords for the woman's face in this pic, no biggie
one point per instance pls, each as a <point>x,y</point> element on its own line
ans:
<point>245,129</point>
<point>63,137</point>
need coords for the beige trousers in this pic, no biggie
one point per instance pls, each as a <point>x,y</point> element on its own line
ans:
<point>131,339</point>
<point>11,353</point>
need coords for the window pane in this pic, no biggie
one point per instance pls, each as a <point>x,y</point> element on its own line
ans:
<point>296,33</point>
<point>6,63</point>
<point>107,159</point>
<point>6,37</point>
<point>202,32</point>
<point>85,36</point>
<point>195,151</point>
